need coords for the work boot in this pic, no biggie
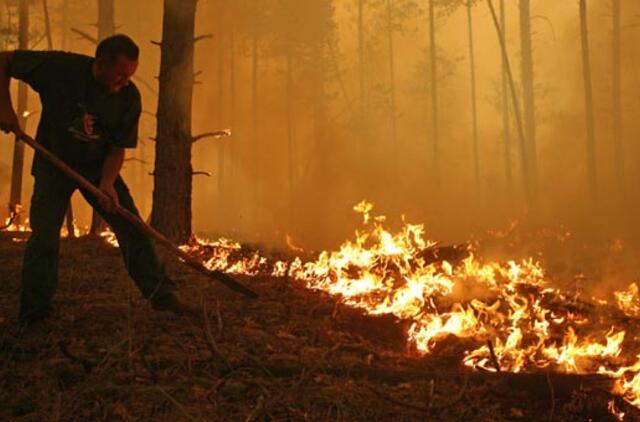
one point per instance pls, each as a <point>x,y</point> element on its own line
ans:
<point>169,302</point>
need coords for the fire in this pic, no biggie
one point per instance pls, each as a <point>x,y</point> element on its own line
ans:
<point>508,311</point>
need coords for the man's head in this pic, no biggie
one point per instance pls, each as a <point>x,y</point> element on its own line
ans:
<point>116,62</point>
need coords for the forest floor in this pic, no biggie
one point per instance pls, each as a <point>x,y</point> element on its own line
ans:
<point>293,354</point>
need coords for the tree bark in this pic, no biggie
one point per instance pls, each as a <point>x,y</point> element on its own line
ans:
<point>15,196</point>
<point>106,19</point>
<point>516,106</point>
<point>64,30</point>
<point>291,150</point>
<point>392,83</point>
<point>474,101</point>
<point>435,126</point>
<point>528,91</point>
<point>361,63</point>
<point>506,126</point>
<point>588,97</point>
<point>222,150</point>
<point>106,28</point>
<point>171,212</point>
<point>617,97</point>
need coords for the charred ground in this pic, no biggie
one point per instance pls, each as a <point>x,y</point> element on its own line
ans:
<point>294,354</point>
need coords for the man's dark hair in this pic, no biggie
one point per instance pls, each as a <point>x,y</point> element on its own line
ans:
<point>117,45</point>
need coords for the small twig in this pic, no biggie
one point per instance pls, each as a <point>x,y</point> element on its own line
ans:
<point>257,411</point>
<point>219,317</point>
<point>211,342</point>
<point>175,402</point>
<point>398,402</point>
<point>553,397</point>
<point>494,358</point>
<point>455,400</point>
<point>147,366</point>
<point>87,364</point>
<point>201,173</point>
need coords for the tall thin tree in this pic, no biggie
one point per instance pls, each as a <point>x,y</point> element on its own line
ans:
<point>171,213</point>
<point>433,61</point>
<point>106,28</point>
<point>15,195</point>
<point>528,91</point>
<point>392,89</point>
<point>506,126</point>
<point>588,98</point>
<point>617,96</point>
<point>474,101</point>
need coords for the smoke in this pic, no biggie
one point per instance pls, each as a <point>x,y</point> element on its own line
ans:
<point>322,118</point>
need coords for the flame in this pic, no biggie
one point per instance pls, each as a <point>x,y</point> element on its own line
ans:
<point>618,414</point>
<point>292,245</point>
<point>508,311</point>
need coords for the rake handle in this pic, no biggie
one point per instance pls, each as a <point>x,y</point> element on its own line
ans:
<point>189,260</point>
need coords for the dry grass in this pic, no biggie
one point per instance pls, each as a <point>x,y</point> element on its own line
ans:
<point>291,355</point>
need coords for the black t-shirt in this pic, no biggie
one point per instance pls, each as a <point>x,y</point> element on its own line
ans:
<point>70,95</point>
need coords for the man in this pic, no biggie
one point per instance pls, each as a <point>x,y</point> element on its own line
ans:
<point>90,113</point>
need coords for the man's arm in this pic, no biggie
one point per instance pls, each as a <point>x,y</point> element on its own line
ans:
<point>110,170</point>
<point>8,118</point>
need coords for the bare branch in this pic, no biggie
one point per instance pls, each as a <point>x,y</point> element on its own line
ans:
<point>201,173</point>
<point>158,43</point>
<point>202,37</point>
<point>85,36</point>
<point>136,160</point>
<point>218,134</point>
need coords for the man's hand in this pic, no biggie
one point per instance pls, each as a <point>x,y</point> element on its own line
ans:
<point>110,203</point>
<point>8,119</point>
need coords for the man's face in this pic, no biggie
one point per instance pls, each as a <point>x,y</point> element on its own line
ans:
<point>114,76</point>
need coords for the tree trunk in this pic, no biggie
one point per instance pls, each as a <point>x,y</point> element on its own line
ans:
<point>254,124</point>
<point>64,30</point>
<point>506,127</point>
<point>392,86</point>
<point>290,130</point>
<point>516,106</point>
<point>71,232</point>
<point>617,98</point>
<point>528,92</point>
<point>47,24</point>
<point>361,57</point>
<point>171,213</point>
<point>233,148</point>
<point>106,19</point>
<point>474,103</point>
<point>435,126</point>
<point>106,28</point>
<point>15,196</point>
<point>221,172</point>
<point>588,97</point>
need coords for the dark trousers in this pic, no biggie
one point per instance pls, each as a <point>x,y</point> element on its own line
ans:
<point>51,194</point>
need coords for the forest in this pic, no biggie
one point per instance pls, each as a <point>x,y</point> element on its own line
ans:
<point>367,210</point>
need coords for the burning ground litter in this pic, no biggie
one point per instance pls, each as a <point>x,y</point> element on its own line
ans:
<point>388,318</point>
